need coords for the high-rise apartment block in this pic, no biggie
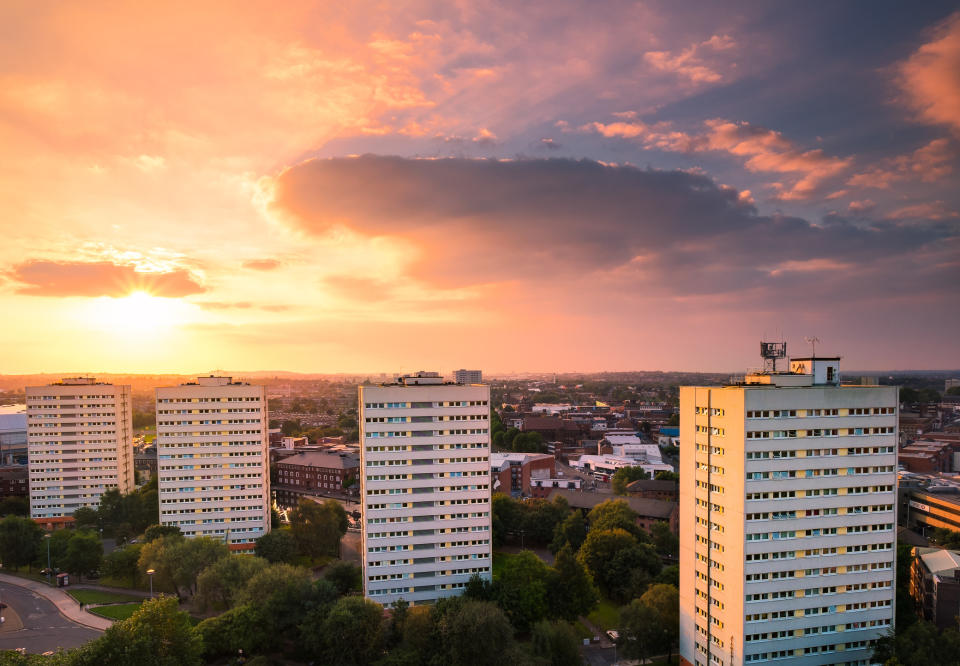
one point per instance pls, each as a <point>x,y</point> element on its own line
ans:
<point>213,460</point>
<point>788,526</point>
<point>425,487</point>
<point>79,444</point>
<point>468,376</point>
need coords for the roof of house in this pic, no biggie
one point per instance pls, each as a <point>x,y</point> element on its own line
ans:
<point>939,561</point>
<point>645,507</point>
<point>317,459</point>
<point>653,484</point>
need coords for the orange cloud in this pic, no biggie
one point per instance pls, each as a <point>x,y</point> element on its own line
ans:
<point>691,63</point>
<point>929,76</point>
<point>928,163</point>
<point>103,278</point>
<point>262,264</point>
<point>935,210</point>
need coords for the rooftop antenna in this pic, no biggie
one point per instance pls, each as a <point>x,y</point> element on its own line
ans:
<point>812,341</point>
<point>771,351</point>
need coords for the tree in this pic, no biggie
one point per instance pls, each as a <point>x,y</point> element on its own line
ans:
<point>19,541</point>
<point>540,517</point>
<point>345,576</point>
<point>121,564</point>
<point>625,476</point>
<point>351,634</point>
<point>615,514</point>
<point>507,517</point>
<point>664,540</point>
<point>178,561</point>
<point>521,590</point>
<point>318,528</point>
<point>218,584</point>
<point>640,635</point>
<point>157,531</point>
<point>919,644</point>
<point>286,594</point>
<point>665,600</point>
<point>84,554</point>
<point>240,628</point>
<point>664,475</point>
<point>157,634</point>
<point>474,633</point>
<point>674,421</point>
<point>478,588</point>
<point>571,591</point>
<point>557,643</point>
<point>572,531</point>
<point>86,518</point>
<point>15,505</point>
<point>278,545</point>
<point>619,565</point>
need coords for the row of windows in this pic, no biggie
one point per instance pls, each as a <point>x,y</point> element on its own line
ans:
<point>429,560</point>
<point>813,473</point>
<point>427,532</point>
<point>795,413</point>
<point>428,546</point>
<point>426,419</point>
<point>818,432</point>
<point>424,405</point>
<point>793,453</point>
<point>428,574</point>
<point>816,532</point>
<point>821,571</point>
<point>209,399</point>
<point>817,552</point>
<point>831,511</point>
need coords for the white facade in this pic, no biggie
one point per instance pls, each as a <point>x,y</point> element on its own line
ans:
<point>787,519</point>
<point>425,488</point>
<point>13,433</point>
<point>79,444</point>
<point>468,376</point>
<point>212,460</point>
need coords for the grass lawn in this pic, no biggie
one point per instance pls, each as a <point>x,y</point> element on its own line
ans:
<point>118,612</point>
<point>606,615</point>
<point>100,597</point>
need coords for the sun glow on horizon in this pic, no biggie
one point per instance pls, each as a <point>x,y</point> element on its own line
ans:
<point>138,313</point>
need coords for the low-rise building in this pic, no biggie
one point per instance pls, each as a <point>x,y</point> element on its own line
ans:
<point>541,488</point>
<point>935,584</point>
<point>512,473</point>
<point>936,506</point>
<point>668,491</point>
<point>311,473</point>
<point>14,481</point>
<point>649,511</point>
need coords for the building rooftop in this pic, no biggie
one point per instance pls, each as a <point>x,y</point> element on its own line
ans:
<point>499,460</point>
<point>317,459</point>
<point>643,506</point>
<point>939,561</point>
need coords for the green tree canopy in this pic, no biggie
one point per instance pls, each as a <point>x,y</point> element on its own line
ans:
<point>178,561</point>
<point>619,565</point>
<point>122,564</point>
<point>664,540</point>
<point>218,583</point>
<point>521,590</point>
<point>571,592</point>
<point>19,541</point>
<point>625,476</point>
<point>156,531</point>
<point>571,531</point>
<point>665,600</point>
<point>351,634</point>
<point>157,634</point>
<point>240,628</point>
<point>474,633</point>
<point>318,528</point>
<point>277,545</point>
<point>557,643</point>
<point>616,514</point>
<point>345,576</point>
<point>84,554</point>
<point>640,635</point>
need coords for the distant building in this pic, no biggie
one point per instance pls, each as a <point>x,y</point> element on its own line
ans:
<point>13,434</point>
<point>311,473</point>
<point>293,442</point>
<point>468,376</point>
<point>935,585</point>
<point>14,481</point>
<point>936,506</point>
<point>212,446</point>
<point>145,461</point>
<point>80,442</point>
<point>649,511</point>
<point>668,491</point>
<point>425,488</point>
<point>512,473</point>
<point>951,383</point>
<point>542,487</point>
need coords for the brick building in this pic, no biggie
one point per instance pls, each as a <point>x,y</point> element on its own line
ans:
<point>668,491</point>
<point>935,584</point>
<point>511,473</point>
<point>14,481</point>
<point>311,473</point>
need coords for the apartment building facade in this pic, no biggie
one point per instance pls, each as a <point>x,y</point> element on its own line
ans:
<point>425,488</point>
<point>79,445</point>
<point>788,520</point>
<point>213,460</point>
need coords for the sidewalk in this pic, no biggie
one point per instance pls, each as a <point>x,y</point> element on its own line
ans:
<point>66,604</point>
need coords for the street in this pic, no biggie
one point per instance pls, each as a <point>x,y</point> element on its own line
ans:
<point>44,628</point>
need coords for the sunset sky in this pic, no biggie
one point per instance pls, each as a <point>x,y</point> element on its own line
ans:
<point>354,187</point>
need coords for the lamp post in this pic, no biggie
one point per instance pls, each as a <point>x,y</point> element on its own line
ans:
<point>150,573</point>
<point>49,570</point>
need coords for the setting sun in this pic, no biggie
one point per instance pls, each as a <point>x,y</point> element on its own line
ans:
<point>138,312</point>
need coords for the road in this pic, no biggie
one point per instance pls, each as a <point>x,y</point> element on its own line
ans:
<point>44,628</point>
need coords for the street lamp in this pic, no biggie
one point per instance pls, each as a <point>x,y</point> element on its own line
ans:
<point>150,573</point>
<point>49,570</point>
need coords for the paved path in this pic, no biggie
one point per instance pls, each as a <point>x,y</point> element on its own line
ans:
<point>44,627</point>
<point>63,602</point>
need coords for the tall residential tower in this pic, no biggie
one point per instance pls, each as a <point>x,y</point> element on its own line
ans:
<point>213,460</point>
<point>425,488</point>
<point>787,524</point>
<point>79,444</point>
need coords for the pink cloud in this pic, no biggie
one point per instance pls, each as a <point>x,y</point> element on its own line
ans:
<point>935,210</point>
<point>861,206</point>
<point>691,63</point>
<point>102,278</point>
<point>929,76</point>
<point>928,163</point>
<point>262,264</point>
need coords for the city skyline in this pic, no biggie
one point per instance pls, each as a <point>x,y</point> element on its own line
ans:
<point>648,187</point>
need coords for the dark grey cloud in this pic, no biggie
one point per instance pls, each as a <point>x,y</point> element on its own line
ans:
<point>481,221</point>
